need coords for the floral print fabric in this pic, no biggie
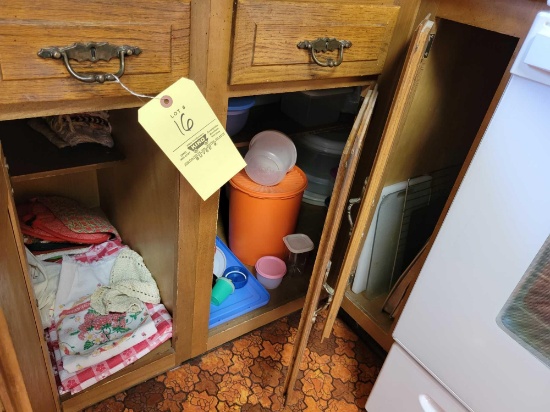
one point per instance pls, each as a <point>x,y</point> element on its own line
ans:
<point>99,329</point>
<point>86,377</point>
<point>60,219</point>
<point>86,337</point>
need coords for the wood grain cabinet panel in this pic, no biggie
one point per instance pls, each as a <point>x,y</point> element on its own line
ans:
<point>159,28</point>
<point>267,33</point>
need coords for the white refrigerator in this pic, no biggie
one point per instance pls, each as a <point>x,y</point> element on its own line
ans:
<point>475,333</point>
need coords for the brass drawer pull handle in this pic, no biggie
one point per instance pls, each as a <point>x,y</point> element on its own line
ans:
<point>323,45</point>
<point>90,52</point>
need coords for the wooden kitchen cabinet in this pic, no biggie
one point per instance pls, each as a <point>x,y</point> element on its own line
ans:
<point>156,211</point>
<point>435,121</point>
<point>265,48</point>
<point>137,194</point>
<point>141,192</point>
<point>30,83</point>
<point>274,76</point>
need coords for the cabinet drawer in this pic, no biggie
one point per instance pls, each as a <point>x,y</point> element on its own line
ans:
<point>267,34</point>
<point>159,28</point>
<point>404,385</point>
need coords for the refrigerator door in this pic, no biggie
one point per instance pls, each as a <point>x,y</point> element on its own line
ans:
<point>496,227</point>
<point>403,385</point>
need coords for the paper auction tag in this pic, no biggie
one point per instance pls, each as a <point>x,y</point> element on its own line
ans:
<point>184,126</point>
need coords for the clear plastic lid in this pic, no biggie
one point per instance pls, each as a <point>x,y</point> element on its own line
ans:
<point>298,243</point>
<point>330,142</point>
<point>264,168</point>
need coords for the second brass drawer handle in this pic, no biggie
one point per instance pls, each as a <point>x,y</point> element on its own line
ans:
<point>90,52</point>
<point>323,45</point>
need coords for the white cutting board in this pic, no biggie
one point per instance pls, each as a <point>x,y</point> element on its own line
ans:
<point>375,264</point>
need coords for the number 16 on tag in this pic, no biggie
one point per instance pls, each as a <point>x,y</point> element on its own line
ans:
<point>186,129</point>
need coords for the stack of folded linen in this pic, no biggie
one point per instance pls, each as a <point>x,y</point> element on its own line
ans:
<point>101,310</point>
<point>88,375</point>
<point>53,223</point>
<point>107,314</point>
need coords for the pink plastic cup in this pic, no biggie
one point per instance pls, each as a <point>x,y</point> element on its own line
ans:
<point>270,271</point>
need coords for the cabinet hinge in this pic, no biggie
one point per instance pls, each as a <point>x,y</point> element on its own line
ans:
<point>352,202</point>
<point>328,289</point>
<point>429,45</point>
<point>352,276</point>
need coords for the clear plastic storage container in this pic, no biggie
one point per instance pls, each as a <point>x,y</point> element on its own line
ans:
<point>237,114</point>
<point>299,246</point>
<point>315,107</point>
<point>270,156</point>
<point>319,156</point>
<point>270,271</point>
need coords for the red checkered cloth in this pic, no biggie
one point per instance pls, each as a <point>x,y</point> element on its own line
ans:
<point>97,252</point>
<point>78,381</point>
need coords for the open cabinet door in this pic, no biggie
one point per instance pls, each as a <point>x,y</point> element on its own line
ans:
<point>13,395</point>
<point>346,171</point>
<point>338,202</point>
<point>406,87</point>
<point>29,371</point>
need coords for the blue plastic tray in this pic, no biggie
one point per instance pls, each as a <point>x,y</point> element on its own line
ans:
<point>251,296</point>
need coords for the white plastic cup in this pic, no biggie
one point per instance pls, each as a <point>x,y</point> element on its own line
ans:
<point>270,156</point>
<point>270,271</point>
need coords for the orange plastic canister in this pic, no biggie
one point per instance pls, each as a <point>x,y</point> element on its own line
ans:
<point>260,216</point>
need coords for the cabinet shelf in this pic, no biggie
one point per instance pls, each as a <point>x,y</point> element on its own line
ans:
<point>269,116</point>
<point>289,296</point>
<point>285,299</point>
<point>368,314</point>
<point>161,358</point>
<point>45,159</point>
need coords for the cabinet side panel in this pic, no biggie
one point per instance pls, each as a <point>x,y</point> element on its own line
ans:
<point>16,302</point>
<point>461,76</point>
<point>79,186</point>
<point>140,197</point>
<point>513,16</point>
<point>12,385</point>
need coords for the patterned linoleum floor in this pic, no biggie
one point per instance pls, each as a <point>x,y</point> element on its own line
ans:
<point>247,374</point>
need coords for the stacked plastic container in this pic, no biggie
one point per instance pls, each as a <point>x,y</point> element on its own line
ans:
<point>260,216</point>
<point>319,156</point>
<point>264,201</point>
<point>271,155</point>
